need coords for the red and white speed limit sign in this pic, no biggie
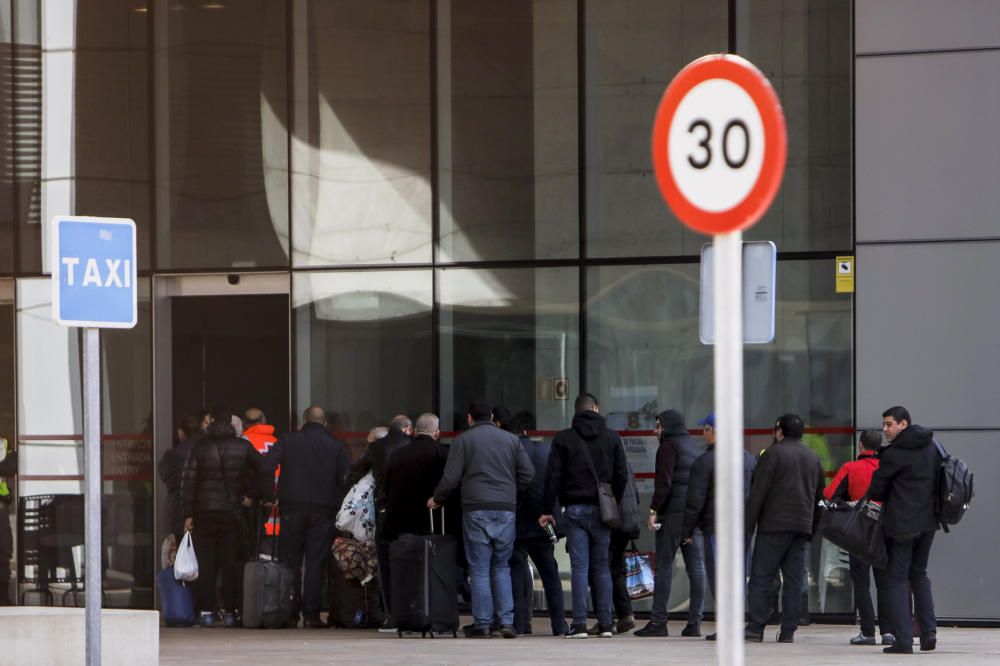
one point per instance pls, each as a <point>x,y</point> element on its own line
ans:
<point>719,144</point>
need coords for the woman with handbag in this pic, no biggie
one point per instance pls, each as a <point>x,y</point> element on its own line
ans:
<point>220,474</point>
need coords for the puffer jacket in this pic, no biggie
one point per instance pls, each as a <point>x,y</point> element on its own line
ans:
<point>699,511</point>
<point>221,468</point>
<point>678,451</point>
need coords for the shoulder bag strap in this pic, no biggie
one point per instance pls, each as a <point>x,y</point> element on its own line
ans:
<point>590,461</point>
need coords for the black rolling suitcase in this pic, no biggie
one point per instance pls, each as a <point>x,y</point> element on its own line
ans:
<point>267,591</point>
<point>424,583</point>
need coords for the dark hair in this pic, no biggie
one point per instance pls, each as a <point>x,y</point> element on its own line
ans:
<point>790,425</point>
<point>503,418</point>
<point>191,425</point>
<point>898,414</point>
<point>222,423</point>
<point>480,410</point>
<point>585,401</point>
<point>871,440</point>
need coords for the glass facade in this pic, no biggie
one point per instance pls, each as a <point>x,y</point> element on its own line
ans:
<point>443,200</point>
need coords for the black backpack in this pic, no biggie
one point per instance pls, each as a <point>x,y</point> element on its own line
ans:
<point>954,490</point>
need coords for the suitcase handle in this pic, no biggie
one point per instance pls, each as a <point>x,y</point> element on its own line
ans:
<point>431,512</point>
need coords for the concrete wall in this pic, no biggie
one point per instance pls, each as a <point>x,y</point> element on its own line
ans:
<point>928,252</point>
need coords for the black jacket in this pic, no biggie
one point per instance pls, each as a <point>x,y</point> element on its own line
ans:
<point>568,476</point>
<point>374,460</point>
<point>412,473</point>
<point>313,467</point>
<point>677,453</point>
<point>786,489</point>
<point>906,483</point>
<point>699,511</point>
<point>171,470</point>
<point>529,506</point>
<point>220,470</point>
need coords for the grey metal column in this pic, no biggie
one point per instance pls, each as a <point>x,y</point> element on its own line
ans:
<point>92,488</point>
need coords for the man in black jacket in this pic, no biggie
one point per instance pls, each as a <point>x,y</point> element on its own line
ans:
<point>783,506</point>
<point>699,512</point>
<point>677,452</point>
<point>310,490</point>
<point>375,460</point>
<point>570,477</point>
<point>906,484</point>
<point>411,474</point>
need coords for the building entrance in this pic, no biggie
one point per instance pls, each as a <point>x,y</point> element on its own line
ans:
<point>220,340</point>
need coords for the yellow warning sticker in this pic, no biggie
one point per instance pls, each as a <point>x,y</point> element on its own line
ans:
<point>845,275</point>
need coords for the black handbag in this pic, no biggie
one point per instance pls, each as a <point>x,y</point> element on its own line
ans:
<point>857,530</point>
<point>606,501</point>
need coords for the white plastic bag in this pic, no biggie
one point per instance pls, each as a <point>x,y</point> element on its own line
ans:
<point>357,513</point>
<point>186,564</point>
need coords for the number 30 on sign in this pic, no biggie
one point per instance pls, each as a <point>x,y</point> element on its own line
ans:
<point>719,144</point>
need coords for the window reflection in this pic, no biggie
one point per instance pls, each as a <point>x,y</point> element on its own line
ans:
<point>510,337</point>
<point>507,126</point>
<point>363,345</point>
<point>361,150</point>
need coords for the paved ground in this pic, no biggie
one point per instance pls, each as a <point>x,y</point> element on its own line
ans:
<point>817,644</point>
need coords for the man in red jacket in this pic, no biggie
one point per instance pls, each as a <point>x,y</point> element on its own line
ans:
<point>851,483</point>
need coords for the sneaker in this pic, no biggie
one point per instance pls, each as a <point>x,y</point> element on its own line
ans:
<point>888,639</point>
<point>206,619</point>
<point>606,631</point>
<point>652,629</point>
<point>783,637</point>
<point>691,630</point>
<point>594,630</point>
<point>625,625</point>
<point>229,620</point>
<point>314,623</point>
<point>928,643</point>
<point>751,637</point>
<point>387,627</point>
<point>898,649</point>
<point>711,636</point>
<point>577,631</point>
<point>528,631</point>
<point>861,639</point>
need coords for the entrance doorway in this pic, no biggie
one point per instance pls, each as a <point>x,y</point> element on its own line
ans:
<point>219,340</point>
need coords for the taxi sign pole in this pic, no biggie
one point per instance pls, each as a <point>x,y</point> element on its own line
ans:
<point>92,491</point>
<point>729,458</point>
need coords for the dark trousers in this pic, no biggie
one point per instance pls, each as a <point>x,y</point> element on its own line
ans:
<point>774,551</point>
<point>6,553</point>
<point>307,535</point>
<point>542,553</point>
<point>216,540</point>
<point>861,575</point>
<point>710,546</point>
<point>382,554</point>
<point>622,603</point>
<point>908,563</point>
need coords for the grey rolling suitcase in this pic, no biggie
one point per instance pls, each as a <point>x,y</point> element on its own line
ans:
<point>267,591</point>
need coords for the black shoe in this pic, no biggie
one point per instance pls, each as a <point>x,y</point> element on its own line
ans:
<point>898,649</point>
<point>505,631</point>
<point>577,631</point>
<point>527,631</point>
<point>478,632</point>
<point>861,639</point>
<point>710,637</point>
<point>625,625</point>
<point>605,630</point>
<point>387,626</point>
<point>652,630</point>
<point>691,630</point>
<point>928,643</point>
<point>888,639</point>
<point>785,637</point>
<point>751,637</point>
<point>314,623</point>
<point>594,629</point>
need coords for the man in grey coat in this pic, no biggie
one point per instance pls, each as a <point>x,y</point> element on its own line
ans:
<point>491,467</point>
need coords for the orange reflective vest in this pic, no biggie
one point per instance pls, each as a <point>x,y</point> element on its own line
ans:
<point>262,437</point>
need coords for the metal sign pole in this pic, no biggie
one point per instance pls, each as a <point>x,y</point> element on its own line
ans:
<point>730,580</point>
<point>92,489</point>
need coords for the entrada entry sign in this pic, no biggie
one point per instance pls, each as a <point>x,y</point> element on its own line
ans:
<point>94,272</point>
<point>719,149</point>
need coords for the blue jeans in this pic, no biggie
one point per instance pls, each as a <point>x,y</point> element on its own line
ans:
<point>667,543</point>
<point>710,550</point>
<point>773,551</point>
<point>489,542</point>
<point>587,542</point>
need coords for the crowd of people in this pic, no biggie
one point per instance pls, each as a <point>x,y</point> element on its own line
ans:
<point>510,498</point>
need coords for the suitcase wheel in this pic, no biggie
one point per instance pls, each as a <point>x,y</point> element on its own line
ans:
<point>399,632</point>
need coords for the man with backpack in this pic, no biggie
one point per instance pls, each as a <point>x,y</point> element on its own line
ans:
<point>906,483</point>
